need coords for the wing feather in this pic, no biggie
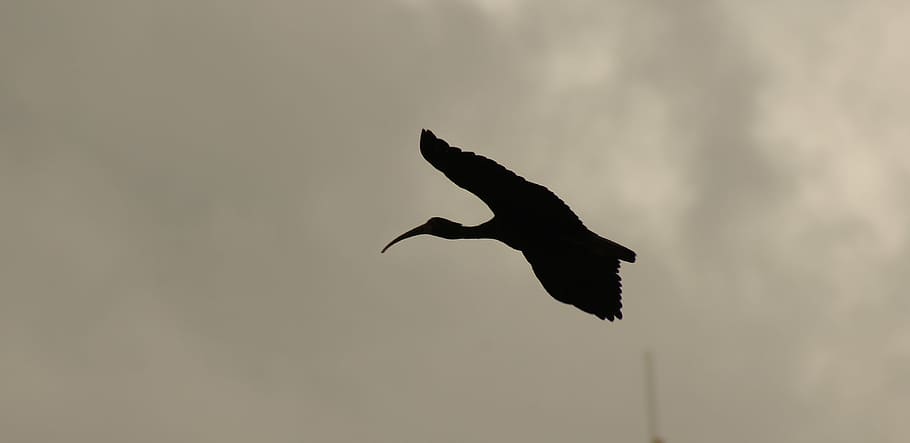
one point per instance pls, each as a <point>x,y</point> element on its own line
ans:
<point>507,194</point>
<point>580,278</point>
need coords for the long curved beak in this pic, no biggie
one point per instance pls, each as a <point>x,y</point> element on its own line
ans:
<point>422,229</point>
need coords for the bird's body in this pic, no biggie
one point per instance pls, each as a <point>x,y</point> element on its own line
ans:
<point>575,265</point>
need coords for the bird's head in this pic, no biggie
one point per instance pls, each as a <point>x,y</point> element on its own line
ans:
<point>436,226</point>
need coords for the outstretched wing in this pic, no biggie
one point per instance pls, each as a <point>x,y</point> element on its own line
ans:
<point>581,278</point>
<point>507,194</point>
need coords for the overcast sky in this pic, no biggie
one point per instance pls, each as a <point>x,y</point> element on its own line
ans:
<point>195,194</point>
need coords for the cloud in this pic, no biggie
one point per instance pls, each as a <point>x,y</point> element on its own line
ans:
<point>196,197</point>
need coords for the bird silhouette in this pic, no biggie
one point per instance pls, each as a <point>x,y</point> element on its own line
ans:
<point>575,265</point>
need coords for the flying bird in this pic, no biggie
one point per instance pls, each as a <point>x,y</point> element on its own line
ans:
<point>575,265</point>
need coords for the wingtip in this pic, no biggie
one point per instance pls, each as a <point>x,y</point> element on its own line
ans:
<point>430,143</point>
<point>609,316</point>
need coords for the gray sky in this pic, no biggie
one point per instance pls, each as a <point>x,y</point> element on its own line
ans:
<point>195,194</point>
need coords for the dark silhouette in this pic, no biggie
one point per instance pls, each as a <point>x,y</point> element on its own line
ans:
<point>575,265</point>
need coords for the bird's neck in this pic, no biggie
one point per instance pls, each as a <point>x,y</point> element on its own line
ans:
<point>483,230</point>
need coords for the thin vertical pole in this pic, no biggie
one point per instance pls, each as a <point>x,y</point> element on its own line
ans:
<point>651,400</point>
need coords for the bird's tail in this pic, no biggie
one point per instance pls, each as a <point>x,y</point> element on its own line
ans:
<point>617,250</point>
